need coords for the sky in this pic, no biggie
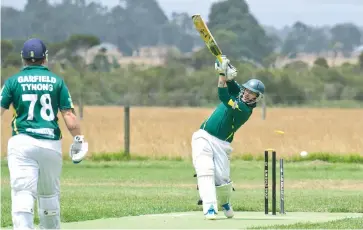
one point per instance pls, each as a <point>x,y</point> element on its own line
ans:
<point>277,13</point>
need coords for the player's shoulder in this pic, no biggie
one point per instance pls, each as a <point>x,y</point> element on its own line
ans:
<point>55,75</point>
<point>56,79</point>
<point>15,76</point>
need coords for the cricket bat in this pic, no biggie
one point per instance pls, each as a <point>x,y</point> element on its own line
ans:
<point>207,36</point>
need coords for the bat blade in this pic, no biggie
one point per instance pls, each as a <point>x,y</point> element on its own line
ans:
<point>207,36</point>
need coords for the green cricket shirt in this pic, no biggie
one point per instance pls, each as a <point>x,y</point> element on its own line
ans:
<point>36,94</point>
<point>229,115</point>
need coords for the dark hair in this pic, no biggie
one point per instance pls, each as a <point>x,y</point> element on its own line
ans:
<point>35,62</point>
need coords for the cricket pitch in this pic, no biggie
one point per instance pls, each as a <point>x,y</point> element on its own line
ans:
<point>194,220</point>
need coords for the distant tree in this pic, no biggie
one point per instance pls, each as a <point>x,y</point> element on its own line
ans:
<point>317,41</point>
<point>54,48</point>
<point>13,59</point>
<point>305,38</point>
<point>81,41</point>
<point>130,24</point>
<point>100,61</point>
<point>252,40</point>
<point>6,48</point>
<point>228,42</point>
<point>75,54</point>
<point>337,48</point>
<point>348,35</point>
<point>360,61</point>
<point>321,62</point>
<point>296,40</point>
<point>296,65</point>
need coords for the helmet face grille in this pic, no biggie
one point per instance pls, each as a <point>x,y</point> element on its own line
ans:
<point>255,86</point>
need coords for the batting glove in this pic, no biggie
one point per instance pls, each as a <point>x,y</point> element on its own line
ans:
<point>221,68</point>
<point>78,149</point>
<point>231,72</point>
<point>225,68</point>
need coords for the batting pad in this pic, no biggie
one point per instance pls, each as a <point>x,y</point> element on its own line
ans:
<point>49,212</point>
<point>207,192</point>
<point>224,193</point>
<point>22,209</point>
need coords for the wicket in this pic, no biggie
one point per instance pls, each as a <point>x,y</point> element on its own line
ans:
<point>282,188</point>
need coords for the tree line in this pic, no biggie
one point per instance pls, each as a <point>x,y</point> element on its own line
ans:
<point>136,23</point>
<point>184,81</point>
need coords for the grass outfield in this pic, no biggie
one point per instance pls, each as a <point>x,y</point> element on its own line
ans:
<point>94,190</point>
<point>348,223</point>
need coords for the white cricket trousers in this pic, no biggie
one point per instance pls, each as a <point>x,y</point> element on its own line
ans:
<point>35,169</point>
<point>211,160</point>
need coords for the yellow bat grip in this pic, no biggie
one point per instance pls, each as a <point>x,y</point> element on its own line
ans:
<point>219,58</point>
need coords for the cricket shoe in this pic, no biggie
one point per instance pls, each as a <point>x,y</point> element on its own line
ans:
<point>211,214</point>
<point>228,211</point>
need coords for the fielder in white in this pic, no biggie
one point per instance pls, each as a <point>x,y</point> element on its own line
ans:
<point>211,144</point>
<point>34,150</point>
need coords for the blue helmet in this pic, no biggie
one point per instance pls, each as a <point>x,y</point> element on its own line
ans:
<point>34,50</point>
<point>255,86</point>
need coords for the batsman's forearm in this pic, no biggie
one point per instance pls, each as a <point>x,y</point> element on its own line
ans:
<point>222,82</point>
<point>72,122</point>
<point>233,88</point>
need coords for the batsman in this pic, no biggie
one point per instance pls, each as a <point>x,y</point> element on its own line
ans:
<point>211,144</point>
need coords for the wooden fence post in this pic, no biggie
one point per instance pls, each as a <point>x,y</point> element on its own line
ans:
<point>127,130</point>
<point>263,109</point>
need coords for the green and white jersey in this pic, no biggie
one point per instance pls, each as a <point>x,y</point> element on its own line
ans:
<point>36,94</point>
<point>229,115</point>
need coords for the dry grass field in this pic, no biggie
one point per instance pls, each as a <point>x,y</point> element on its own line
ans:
<point>167,131</point>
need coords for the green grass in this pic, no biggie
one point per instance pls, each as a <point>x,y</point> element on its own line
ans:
<point>102,189</point>
<point>121,156</point>
<point>321,156</point>
<point>351,223</point>
<point>346,104</point>
<point>326,157</point>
